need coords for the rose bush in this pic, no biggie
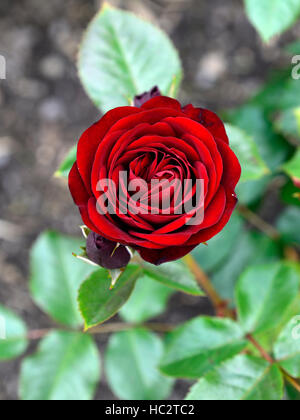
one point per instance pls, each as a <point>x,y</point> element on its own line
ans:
<point>162,140</point>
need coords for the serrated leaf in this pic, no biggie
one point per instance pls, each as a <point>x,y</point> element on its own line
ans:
<point>253,167</point>
<point>244,378</point>
<point>199,345</point>
<point>98,301</point>
<point>175,275</point>
<point>13,333</point>
<point>66,166</point>
<point>148,300</point>
<point>218,249</point>
<point>272,17</point>
<point>56,276</point>
<point>122,56</point>
<point>292,168</point>
<point>264,294</point>
<point>287,348</point>
<point>65,367</point>
<point>131,364</point>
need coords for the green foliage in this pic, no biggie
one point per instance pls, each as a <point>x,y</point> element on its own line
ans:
<point>243,378</point>
<point>13,333</point>
<point>194,348</point>
<point>98,301</point>
<point>253,167</point>
<point>175,275</point>
<point>146,290</point>
<point>56,276</point>
<point>66,166</point>
<point>65,367</point>
<point>131,364</point>
<point>288,123</point>
<point>272,17</point>
<point>264,294</point>
<point>122,56</point>
<point>287,348</point>
<point>292,168</point>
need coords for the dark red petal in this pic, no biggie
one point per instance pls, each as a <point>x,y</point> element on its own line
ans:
<point>91,138</point>
<point>77,187</point>
<point>209,119</point>
<point>162,102</point>
<point>232,168</point>
<point>158,257</point>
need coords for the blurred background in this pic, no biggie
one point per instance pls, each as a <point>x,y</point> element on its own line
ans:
<point>43,111</point>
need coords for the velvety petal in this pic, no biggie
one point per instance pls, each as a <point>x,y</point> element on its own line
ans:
<point>77,187</point>
<point>162,102</point>
<point>209,120</point>
<point>232,168</point>
<point>92,137</point>
<point>158,257</point>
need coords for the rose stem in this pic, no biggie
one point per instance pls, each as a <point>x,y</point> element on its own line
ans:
<point>265,355</point>
<point>220,305</point>
<point>259,223</point>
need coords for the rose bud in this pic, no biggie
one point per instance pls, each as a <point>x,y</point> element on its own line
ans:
<point>105,253</point>
<point>139,100</point>
<point>157,140</point>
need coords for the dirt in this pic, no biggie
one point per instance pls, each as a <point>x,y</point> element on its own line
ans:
<point>44,110</point>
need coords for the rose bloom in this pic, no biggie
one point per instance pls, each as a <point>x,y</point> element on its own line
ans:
<point>157,139</point>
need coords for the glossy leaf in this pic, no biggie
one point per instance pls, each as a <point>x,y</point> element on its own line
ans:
<point>175,275</point>
<point>13,333</point>
<point>292,168</point>
<point>243,378</point>
<point>264,294</point>
<point>287,348</point>
<point>148,300</point>
<point>56,276</point>
<point>250,248</point>
<point>253,167</point>
<point>65,367</point>
<point>98,301</point>
<point>219,249</point>
<point>272,17</point>
<point>132,358</point>
<point>199,345</point>
<point>66,166</point>
<point>122,56</point>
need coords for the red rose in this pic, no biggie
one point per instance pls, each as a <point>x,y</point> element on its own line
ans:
<point>164,142</point>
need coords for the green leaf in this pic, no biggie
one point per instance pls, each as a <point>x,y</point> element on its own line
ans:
<point>148,300</point>
<point>289,194</point>
<point>175,275</point>
<point>264,294</point>
<point>56,276</point>
<point>122,56</point>
<point>98,302</point>
<point>288,123</point>
<point>292,168</point>
<point>253,167</point>
<point>201,344</point>
<point>244,378</point>
<point>289,226</point>
<point>13,335</point>
<point>287,348</point>
<point>131,366</point>
<point>272,17</point>
<point>219,248</point>
<point>66,166</point>
<point>250,248</point>
<point>65,367</point>
<point>254,120</point>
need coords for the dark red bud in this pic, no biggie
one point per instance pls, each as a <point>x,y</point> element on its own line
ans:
<point>145,97</point>
<point>106,253</point>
